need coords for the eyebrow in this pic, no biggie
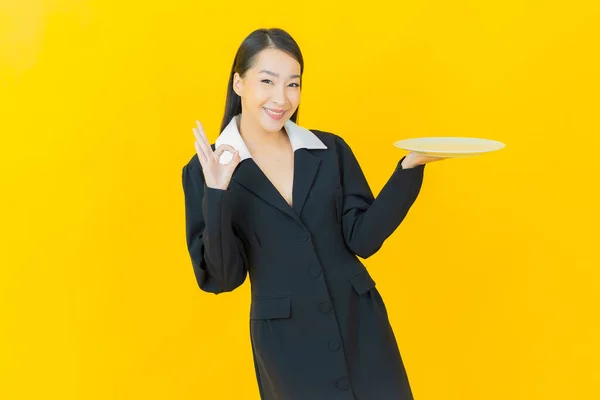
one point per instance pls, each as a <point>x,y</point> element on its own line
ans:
<point>277,75</point>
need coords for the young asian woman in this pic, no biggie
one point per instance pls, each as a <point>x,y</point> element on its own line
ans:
<point>290,208</point>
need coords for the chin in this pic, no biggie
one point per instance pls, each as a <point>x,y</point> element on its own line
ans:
<point>271,125</point>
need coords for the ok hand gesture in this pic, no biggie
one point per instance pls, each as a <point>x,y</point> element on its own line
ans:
<point>216,175</point>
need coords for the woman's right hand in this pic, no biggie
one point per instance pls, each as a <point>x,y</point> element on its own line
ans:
<point>216,175</point>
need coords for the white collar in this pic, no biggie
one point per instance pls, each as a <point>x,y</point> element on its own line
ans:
<point>300,138</point>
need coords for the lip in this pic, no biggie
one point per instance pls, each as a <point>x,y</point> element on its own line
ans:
<point>275,117</point>
<point>275,111</point>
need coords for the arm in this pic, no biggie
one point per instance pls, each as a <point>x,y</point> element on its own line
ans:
<point>216,252</point>
<point>368,221</point>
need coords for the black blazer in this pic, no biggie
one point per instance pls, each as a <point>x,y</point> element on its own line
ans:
<point>319,327</point>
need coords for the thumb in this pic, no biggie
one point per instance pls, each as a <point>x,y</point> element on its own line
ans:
<point>235,160</point>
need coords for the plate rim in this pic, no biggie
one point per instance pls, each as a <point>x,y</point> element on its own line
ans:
<point>500,144</point>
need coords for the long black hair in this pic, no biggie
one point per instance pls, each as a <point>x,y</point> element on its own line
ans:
<point>245,57</point>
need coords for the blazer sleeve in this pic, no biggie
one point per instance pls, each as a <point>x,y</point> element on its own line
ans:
<point>216,251</point>
<point>368,221</point>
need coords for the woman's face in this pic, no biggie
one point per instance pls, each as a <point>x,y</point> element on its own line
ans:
<point>270,90</point>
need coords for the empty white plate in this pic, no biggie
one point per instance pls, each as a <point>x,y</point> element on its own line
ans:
<point>449,146</point>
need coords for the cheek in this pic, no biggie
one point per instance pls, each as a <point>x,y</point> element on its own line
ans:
<point>293,96</point>
<point>261,96</point>
<point>255,96</point>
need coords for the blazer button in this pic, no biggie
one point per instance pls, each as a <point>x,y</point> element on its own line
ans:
<point>334,345</point>
<point>343,384</point>
<point>325,307</point>
<point>314,271</point>
<point>302,237</point>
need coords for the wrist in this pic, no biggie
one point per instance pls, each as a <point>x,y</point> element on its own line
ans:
<point>407,164</point>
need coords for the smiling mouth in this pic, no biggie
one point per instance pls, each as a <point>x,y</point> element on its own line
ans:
<point>274,114</point>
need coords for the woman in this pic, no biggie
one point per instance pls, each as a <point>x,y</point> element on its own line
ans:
<point>291,208</point>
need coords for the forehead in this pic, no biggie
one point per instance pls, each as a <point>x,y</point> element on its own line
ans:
<point>276,61</point>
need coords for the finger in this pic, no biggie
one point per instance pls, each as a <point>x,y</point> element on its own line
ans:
<point>199,140</point>
<point>236,157</point>
<point>203,136</point>
<point>235,160</point>
<point>201,155</point>
<point>206,150</point>
<point>223,148</point>
<point>200,134</point>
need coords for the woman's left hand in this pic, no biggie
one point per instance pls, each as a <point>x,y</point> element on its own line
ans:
<point>414,159</point>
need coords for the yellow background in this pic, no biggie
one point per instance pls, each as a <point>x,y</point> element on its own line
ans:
<point>492,281</point>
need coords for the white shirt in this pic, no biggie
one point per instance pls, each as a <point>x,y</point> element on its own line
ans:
<point>300,138</point>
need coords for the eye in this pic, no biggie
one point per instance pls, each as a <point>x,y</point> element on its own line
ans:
<point>266,81</point>
<point>297,85</point>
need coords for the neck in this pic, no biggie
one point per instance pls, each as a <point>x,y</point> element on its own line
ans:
<point>257,139</point>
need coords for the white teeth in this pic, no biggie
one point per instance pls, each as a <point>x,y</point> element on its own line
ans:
<point>274,113</point>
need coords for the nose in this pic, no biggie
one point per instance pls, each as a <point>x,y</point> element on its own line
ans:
<point>279,95</point>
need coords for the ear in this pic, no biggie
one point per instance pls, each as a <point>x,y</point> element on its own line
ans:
<point>238,84</point>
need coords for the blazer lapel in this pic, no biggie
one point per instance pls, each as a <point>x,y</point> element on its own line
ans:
<point>249,175</point>
<point>306,167</point>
